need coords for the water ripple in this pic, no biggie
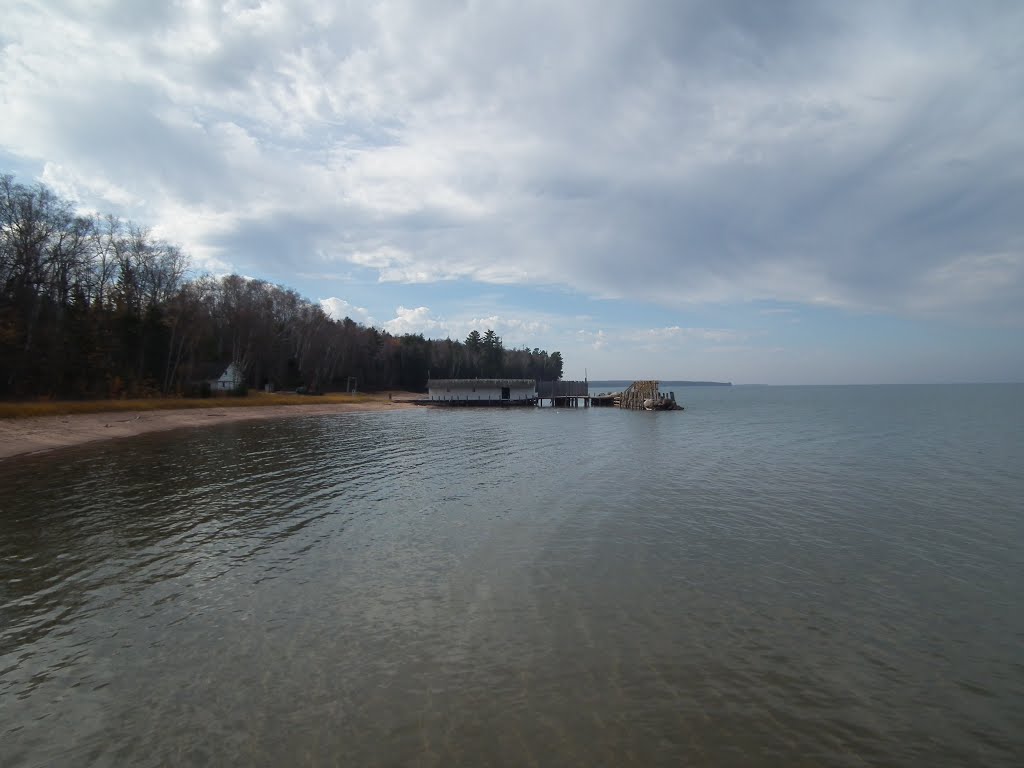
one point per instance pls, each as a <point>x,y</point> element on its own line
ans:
<point>790,576</point>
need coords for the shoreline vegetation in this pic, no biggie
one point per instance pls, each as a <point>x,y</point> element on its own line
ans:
<point>96,308</point>
<point>30,428</point>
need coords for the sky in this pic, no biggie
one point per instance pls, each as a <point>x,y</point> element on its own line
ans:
<point>757,192</point>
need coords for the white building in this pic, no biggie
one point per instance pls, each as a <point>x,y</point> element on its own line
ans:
<point>482,391</point>
<point>231,379</point>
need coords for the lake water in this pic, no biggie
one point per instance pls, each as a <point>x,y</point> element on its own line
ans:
<point>784,576</point>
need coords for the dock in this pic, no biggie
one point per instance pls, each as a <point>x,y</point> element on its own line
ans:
<point>639,396</point>
<point>563,394</point>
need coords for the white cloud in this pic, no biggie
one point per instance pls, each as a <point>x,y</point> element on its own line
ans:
<point>339,309</point>
<point>596,340</point>
<point>512,330</point>
<point>416,320</point>
<point>74,187</point>
<point>380,258</point>
<point>509,328</point>
<point>675,332</point>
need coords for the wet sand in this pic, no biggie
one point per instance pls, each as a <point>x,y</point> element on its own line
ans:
<point>45,433</point>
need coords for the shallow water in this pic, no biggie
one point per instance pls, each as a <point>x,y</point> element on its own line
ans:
<point>776,576</point>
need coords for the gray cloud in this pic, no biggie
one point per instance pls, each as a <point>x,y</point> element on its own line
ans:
<point>859,155</point>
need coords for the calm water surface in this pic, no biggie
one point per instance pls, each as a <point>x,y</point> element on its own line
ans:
<point>777,576</point>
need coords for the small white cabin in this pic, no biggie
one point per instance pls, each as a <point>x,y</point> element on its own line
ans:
<point>229,380</point>
<point>482,391</point>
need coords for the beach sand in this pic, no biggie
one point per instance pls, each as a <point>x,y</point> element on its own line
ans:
<point>44,433</point>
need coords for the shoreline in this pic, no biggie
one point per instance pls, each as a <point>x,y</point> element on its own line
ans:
<point>41,434</point>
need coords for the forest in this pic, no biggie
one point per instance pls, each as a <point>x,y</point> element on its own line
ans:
<point>95,307</point>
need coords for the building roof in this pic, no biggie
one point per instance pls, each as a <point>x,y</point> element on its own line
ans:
<point>231,373</point>
<point>462,383</point>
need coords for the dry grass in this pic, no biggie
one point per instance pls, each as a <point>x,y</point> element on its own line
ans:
<point>254,399</point>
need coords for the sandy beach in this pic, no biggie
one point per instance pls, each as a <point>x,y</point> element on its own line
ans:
<point>22,436</point>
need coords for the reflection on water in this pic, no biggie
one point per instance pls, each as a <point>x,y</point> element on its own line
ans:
<point>776,576</point>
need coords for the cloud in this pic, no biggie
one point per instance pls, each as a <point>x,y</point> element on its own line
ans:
<point>76,188</point>
<point>971,279</point>
<point>417,320</point>
<point>843,155</point>
<point>676,333</point>
<point>512,330</point>
<point>596,340</point>
<point>339,309</point>
<point>509,327</point>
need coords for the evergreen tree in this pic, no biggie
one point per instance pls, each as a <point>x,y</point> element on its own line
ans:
<point>96,307</point>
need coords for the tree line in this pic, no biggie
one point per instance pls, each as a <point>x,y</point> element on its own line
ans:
<point>92,306</point>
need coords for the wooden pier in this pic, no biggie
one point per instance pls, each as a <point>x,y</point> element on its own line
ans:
<point>638,396</point>
<point>564,394</point>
